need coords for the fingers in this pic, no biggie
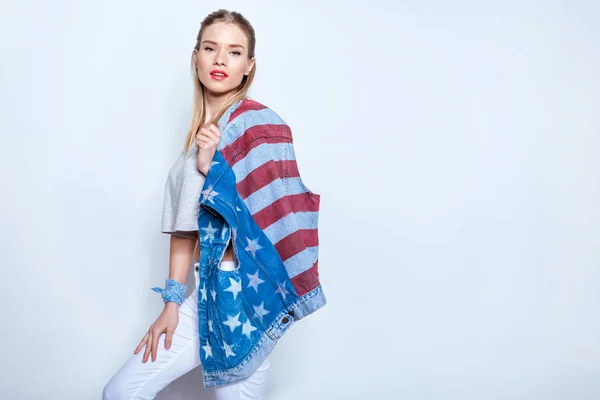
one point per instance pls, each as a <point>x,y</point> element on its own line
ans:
<point>208,136</point>
<point>168,339</point>
<point>213,128</point>
<point>204,143</point>
<point>205,132</point>
<point>144,339</point>
<point>155,336</point>
<point>147,351</point>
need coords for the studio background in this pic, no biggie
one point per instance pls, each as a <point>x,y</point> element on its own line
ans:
<point>455,147</point>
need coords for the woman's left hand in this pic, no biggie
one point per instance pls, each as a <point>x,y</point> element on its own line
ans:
<point>207,140</point>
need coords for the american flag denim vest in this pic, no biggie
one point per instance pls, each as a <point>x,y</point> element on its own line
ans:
<point>254,198</point>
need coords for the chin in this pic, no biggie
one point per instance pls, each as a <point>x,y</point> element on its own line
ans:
<point>216,88</point>
<point>218,92</point>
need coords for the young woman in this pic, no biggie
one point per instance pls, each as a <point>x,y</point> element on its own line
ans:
<point>237,311</point>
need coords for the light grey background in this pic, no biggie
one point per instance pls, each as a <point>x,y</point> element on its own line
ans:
<point>455,145</point>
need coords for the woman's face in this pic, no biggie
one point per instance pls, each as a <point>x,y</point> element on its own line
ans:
<point>222,60</point>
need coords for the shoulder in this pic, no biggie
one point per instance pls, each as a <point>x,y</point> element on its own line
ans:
<point>252,122</point>
<point>251,114</point>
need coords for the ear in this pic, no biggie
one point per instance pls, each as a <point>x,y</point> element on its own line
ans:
<point>195,56</point>
<point>250,66</point>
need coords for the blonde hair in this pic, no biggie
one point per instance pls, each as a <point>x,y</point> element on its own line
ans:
<point>199,111</point>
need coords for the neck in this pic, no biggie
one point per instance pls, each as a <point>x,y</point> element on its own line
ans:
<point>213,104</point>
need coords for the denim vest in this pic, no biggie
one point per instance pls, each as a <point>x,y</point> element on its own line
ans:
<point>242,313</point>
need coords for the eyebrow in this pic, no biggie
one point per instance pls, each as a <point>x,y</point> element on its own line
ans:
<point>231,45</point>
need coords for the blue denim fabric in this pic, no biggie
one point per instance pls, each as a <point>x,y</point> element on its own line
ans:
<point>242,313</point>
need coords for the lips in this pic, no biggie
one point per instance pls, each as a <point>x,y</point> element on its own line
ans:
<point>218,74</point>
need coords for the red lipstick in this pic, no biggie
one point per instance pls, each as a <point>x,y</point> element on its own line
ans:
<point>218,75</point>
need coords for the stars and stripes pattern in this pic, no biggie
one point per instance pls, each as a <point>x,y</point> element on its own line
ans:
<point>253,190</point>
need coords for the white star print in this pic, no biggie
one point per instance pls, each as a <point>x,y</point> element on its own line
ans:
<point>247,328</point>
<point>237,208</point>
<point>213,293</point>
<point>203,291</point>
<point>233,322</point>
<point>260,310</point>
<point>207,350</point>
<point>209,194</point>
<point>235,287</point>
<point>224,232</point>
<point>281,289</point>
<point>254,280</point>
<point>228,351</point>
<point>210,231</point>
<point>253,246</point>
<point>212,164</point>
<point>210,325</point>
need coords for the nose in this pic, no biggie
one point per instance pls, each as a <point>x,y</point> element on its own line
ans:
<point>219,58</point>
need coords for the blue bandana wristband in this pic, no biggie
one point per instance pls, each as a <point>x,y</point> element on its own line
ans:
<point>174,291</point>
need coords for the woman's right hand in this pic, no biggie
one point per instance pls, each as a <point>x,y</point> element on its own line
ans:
<point>166,322</point>
<point>207,140</point>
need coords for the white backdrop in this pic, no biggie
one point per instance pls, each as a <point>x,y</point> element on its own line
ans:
<point>455,146</point>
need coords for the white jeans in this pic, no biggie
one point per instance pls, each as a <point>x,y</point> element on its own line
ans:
<point>137,380</point>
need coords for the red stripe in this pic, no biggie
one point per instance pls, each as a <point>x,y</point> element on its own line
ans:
<point>260,177</point>
<point>296,242</point>
<point>244,106</point>
<point>255,136</point>
<point>307,280</point>
<point>265,174</point>
<point>281,207</point>
<point>292,169</point>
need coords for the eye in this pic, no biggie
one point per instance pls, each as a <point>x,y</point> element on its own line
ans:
<point>234,52</point>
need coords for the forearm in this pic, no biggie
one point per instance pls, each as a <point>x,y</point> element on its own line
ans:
<point>181,254</point>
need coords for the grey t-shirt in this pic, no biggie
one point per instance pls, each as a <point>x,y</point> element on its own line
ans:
<point>182,195</point>
<point>184,185</point>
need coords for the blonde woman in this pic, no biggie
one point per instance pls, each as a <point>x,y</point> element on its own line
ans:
<point>239,213</point>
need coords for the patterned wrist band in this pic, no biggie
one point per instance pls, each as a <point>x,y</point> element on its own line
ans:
<point>174,291</point>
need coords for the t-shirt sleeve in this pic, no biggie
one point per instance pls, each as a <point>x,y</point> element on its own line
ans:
<point>181,195</point>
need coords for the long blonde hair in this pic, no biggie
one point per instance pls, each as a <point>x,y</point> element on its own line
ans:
<point>199,111</point>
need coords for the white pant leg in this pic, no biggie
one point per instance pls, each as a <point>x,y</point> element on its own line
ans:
<point>251,388</point>
<point>137,380</point>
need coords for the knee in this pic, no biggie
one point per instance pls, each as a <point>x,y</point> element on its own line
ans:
<point>111,391</point>
<point>107,392</point>
<point>116,390</point>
